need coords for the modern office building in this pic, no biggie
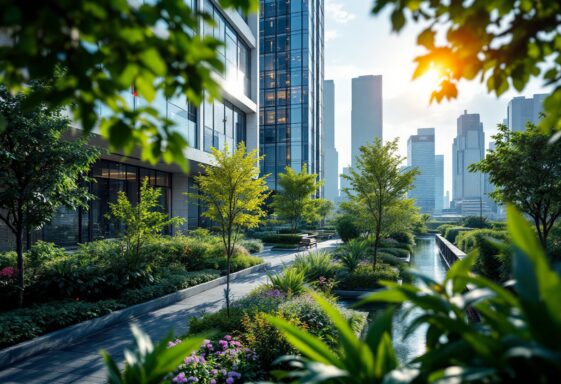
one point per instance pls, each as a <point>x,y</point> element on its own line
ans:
<point>447,200</point>
<point>489,187</point>
<point>468,148</point>
<point>225,122</point>
<point>291,86</point>
<point>366,113</point>
<point>522,110</point>
<point>438,183</point>
<point>420,155</point>
<point>330,154</point>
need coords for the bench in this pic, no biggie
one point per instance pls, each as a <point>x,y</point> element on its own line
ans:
<point>308,242</point>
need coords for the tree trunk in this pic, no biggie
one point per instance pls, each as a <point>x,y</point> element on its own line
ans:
<point>19,251</point>
<point>376,244</point>
<point>227,292</point>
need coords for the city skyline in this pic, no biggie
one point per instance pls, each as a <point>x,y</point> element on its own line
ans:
<point>406,102</point>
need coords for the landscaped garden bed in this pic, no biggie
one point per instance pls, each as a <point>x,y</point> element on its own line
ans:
<point>62,288</point>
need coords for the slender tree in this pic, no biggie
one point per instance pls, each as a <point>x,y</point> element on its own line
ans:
<point>526,170</point>
<point>39,170</point>
<point>234,195</point>
<point>140,222</point>
<point>378,184</point>
<point>294,201</point>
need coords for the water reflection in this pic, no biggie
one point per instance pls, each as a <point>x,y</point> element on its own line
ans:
<point>427,262</point>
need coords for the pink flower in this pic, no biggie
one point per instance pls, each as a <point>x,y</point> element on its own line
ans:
<point>7,273</point>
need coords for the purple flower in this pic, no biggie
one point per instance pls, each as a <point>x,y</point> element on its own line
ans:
<point>193,379</point>
<point>180,379</point>
<point>228,337</point>
<point>229,380</point>
<point>212,381</point>
<point>213,372</point>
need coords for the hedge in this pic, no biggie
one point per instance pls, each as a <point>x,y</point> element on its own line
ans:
<point>366,278</point>
<point>452,233</point>
<point>282,239</point>
<point>492,261</point>
<point>397,252</point>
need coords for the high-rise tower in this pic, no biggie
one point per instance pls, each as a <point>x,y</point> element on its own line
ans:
<point>366,114</point>
<point>291,86</point>
<point>420,155</point>
<point>330,155</point>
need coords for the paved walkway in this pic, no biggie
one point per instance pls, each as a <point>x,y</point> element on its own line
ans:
<point>81,362</point>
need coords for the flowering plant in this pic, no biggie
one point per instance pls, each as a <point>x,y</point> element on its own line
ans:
<point>225,362</point>
<point>7,273</point>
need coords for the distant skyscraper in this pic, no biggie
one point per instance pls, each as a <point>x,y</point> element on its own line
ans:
<point>366,114</point>
<point>468,148</point>
<point>291,88</point>
<point>522,110</point>
<point>330,155</point>
<point>420,154</point>
<point>438,183</point>
<point>447,200</point>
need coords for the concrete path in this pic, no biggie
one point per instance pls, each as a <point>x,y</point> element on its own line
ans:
<point>81,362</point>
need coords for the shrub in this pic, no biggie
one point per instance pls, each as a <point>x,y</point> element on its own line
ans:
<point>475,222</point>
<point>290,281</point>
<point>452,233</point>
<point>366,278</point>
<point>282,239</point>
<point>491,261</point>
<point>252,245</point>
<point>8,259</point>
<point>397,252</point>
<point>433,225</point>
<point>26,323</point>
<point>199,233</point>
<point>442,229</point>
<point>403,237</point>
<point>226,361</point>
<point>347,228</point>
<point>352,253</point>
<point>315,264</point>
<point>498,225</point>
<point>262,299</point>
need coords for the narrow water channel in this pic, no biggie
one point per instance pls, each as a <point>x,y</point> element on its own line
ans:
<point>426,261</point>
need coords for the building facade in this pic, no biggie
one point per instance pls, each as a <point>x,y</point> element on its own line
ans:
<point>438,183</point>
<point>420,155</point>
<point>522,110</point>
<point>366,113</point>
<point>330,154</point>
<point>291,86</point>
<point>468,148</point>
<point>223,122</point>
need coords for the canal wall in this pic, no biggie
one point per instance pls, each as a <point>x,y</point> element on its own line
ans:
<point>448,251</point>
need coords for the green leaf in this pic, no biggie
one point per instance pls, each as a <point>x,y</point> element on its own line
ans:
<point>154,61</point>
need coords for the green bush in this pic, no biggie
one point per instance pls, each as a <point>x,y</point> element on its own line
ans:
<point>8,259</point>
<point>492,262</point>
<point>403,237</point>
<point>353,253</point>
<point>26,323</point>
<point>433,225</point>
<point>290,281</point>
<point>282,239</point>
<point>346,228</point>
<point>442,228</point>
<point>453,232</point>
<point>315,264</point>
<point>366,278</point>
<point>397,252</point>
<point>252,245</point>
<point>475,222</point>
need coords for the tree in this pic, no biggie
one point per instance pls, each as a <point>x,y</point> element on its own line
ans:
<point>107,47</point>
<point>378,184</point>
<point>234,195</point>
<point>526,170</point>
<point>324,209</point>
<point>39,170</point>
<point>294,201</point>
<point>505,43</point>
<point>140,222</point>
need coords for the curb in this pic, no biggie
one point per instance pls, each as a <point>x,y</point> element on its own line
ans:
<point>73,333</point>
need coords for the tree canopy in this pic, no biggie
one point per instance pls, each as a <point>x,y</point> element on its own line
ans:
<point>105,47</point>
<point>294,202</point>
<point>234,196</point>
<point>504,43</point>
<point>40,171</point>
<point>526,170</point>
<point>378,187</point>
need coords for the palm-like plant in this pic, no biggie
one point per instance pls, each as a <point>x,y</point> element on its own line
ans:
<point>518,337</point>
<point>353,253</point>
<point>290,281</point>
<point>316,264</point>
<point>149,364</point>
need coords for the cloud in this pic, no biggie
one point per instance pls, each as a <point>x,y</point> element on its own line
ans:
<point>337,12</point>
<point>330,34</point>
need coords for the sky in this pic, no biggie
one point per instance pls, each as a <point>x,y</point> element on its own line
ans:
<point>358,43</point>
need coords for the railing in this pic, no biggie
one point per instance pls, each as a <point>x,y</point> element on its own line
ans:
<point>450,254</point>
<point>448,251</point>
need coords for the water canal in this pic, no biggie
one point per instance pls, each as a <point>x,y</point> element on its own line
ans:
<point>426,261</point>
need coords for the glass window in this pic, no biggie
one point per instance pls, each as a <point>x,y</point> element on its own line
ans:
<point>269,98</point>
<point>209,114</point>
<point>229,121</point>
<point>208,137</point>
<point>218,117</point>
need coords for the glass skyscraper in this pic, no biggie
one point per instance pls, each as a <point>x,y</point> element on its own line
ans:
<point>420,155</point>
<point>291,86</point>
